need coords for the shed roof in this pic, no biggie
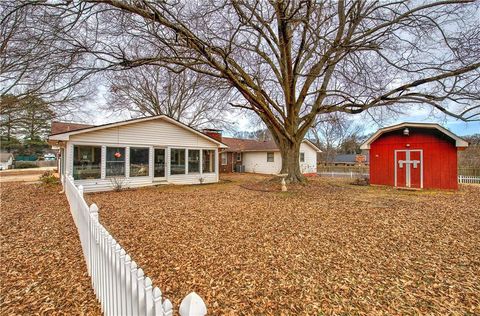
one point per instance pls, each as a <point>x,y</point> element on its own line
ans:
<point>459,142</point>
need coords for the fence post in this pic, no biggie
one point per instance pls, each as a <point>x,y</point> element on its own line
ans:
<point>93,217</point>
<point>192,305</point>
<point>148,297</point>
<point>133,287</point>
<point>141,292</point>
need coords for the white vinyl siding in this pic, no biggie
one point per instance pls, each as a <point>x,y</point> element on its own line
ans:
<point>154,132</point>
<point>149,135</point>
<point>256,162</point>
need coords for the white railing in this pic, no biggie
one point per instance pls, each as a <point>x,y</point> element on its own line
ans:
<point>468,179</point>
<point>334,174</point>
<point>119,284</point>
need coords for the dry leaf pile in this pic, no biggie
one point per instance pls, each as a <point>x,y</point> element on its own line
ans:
<point>326,248</point>
<point>42,271</point>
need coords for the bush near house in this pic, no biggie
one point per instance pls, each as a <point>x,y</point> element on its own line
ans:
<point>25,165</point>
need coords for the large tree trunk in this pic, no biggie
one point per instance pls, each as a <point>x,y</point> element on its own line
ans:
<point>290,152</point>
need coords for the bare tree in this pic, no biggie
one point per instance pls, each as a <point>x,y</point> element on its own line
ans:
<point>192,98</point>
<point>332,131</point>
<point>289,60</point>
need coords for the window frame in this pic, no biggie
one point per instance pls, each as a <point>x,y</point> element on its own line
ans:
<point>239,157</point>
<point>184,158</point>
<point>130,161</point>
<point>222,156</point>
<point>272,153</point>
<point>213,163</point>
<point>124,175</point>
<point>199,160</point>
<point>302,156</point>
<point>100,163</point>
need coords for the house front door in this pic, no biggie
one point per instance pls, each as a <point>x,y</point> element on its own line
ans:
<point>159,163</point>
<point>409,168</point>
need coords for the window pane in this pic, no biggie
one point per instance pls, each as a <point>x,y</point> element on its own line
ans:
<point>270,157</point>
<point>86,162</point>
<point>115,164</point>
<point>139,162</point>
<point>224,159</point>
<point>193,161</point>
<point>208,161</point>
<point>302,157</point>
<point>177,161</point>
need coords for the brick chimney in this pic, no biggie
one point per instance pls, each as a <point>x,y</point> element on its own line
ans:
<point>213,133</point>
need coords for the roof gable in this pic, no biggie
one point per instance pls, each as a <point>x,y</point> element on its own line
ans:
<point>65,136</point>
<point>459,142</point>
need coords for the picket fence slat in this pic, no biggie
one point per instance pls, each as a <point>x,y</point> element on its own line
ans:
<point>119,284</point>
<point>468,179</point>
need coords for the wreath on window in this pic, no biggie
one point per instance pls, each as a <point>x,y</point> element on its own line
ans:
<point>117,155</point>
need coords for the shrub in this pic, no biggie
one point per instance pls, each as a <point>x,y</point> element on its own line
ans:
<point>48,177</point>
<point>25,164</point>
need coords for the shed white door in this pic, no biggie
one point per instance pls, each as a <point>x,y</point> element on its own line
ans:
<point>409,168</point>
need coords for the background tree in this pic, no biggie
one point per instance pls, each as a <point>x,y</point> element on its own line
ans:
<point>192,98</point>
<point>10,116</point>
<point>289,60</point>
<point>25,123</point>
<point>470,157</point>
<point>336,133</point>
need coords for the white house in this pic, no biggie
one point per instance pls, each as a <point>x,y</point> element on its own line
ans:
<point>138,152</point>
<point>6,161</point>
<point>255,156</point>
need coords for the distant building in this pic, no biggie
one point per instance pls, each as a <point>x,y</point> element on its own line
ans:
<point>6,161</point>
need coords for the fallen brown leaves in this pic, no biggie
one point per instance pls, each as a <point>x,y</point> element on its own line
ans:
<point>328,247</point>
<point>42,271</point>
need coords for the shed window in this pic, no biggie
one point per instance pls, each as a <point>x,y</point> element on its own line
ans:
<point>224,159</point>
<point>177,161</point>
<point>193,161</point>
<point>115,164</point>
<point>302,157</point>
<point>139,162</point>
<point>270,157</point>
<point>86,162</point>
<point>208,161</point>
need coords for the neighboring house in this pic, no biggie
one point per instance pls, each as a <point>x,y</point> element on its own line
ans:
<point>414,155</point>
<point>349,160</point>
<point>138,152</point>
<point>6,161</point>
<point>248,155</point>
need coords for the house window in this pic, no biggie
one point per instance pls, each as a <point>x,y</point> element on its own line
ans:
<point>193,161</point>
<point>115,164</point>
<point>224,159</point>
<point>86,162</point>
<point>302,157</point>
<point>177,161</point>
<point>270,156</point>
<point>239,156</point>
<point>139,162</point>
<point>208,161</point>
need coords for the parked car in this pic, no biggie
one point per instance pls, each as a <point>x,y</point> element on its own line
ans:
<point>49,157</point>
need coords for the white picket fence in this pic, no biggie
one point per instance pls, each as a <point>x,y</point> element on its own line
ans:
<point>334,174</point>
<point>468,179</point>
<point>119,284</point>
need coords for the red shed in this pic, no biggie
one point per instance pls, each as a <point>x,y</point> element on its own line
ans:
<point>414,155</point>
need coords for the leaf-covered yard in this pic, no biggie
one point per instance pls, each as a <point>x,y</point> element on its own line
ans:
<point>329,248</point>
<point>42,271</point>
